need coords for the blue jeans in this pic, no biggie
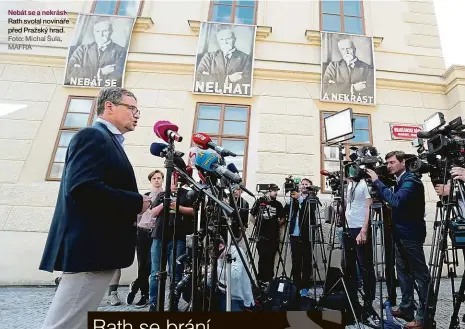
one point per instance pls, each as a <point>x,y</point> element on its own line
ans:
<point>156,259</point>
<point>339,232</point>
<point>235,303</point>
<point>414,269</point>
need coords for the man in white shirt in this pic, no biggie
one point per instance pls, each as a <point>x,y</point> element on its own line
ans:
<point>358,222</point>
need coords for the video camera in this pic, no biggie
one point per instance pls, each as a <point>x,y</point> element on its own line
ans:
<point>333,181</point>
<point>367,157</point>
<point>292,184</point>
<point>445,148</point>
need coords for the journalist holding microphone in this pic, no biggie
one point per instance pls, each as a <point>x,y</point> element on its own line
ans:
<point>408,214</point>
<point>97,204</point>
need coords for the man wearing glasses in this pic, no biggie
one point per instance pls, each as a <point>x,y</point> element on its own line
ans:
<point>98,203</point>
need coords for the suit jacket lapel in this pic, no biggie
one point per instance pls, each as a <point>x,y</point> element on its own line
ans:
<point>344,71</point>
<point>93,57</point>
<point>358,71</point>
<point>106,55</point>
<point>221,68</point>
<point>234,61</point>
<point>120,149</point>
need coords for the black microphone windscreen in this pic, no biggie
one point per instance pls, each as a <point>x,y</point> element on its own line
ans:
<point>232,167</point>
<point>157,148</point>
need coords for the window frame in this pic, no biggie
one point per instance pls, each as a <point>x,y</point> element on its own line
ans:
<point>62,129</point>
<point>118,3</point>
<point>220,137</point>
<point>347,144</point>
<point>341,17</point>
<point>233,12</point>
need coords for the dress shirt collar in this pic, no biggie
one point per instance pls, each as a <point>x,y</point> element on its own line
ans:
<point>119,136</point>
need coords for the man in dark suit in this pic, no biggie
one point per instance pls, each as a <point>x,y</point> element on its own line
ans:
<point>97,204</point>
<point>227,70</point>
<point>349,76</point>
<point>102,60</point>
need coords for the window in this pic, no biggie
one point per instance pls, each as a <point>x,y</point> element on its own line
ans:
<point>79,114</point>
<point>131,8</point>
<point>342,16</point>
<point>228,126</point>
<point>330,154</point>
<point>233,11</point>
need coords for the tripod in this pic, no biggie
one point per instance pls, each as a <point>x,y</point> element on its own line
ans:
<point>316,237</point>
<point>447,226</point>
<point>343,273</point>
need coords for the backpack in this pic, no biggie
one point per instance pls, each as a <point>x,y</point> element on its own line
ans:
<point>281,295</point>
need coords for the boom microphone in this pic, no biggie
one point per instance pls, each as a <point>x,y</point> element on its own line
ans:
<point>205,142</point>
<point>424,134</point>
<point>232,167</point>
<point>167,131</point>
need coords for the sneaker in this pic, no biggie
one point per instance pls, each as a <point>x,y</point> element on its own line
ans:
<point>114,299</point>
<point>131,295</point>
<point>143,301</point>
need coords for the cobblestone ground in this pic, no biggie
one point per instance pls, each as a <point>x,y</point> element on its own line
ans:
<point>26,307</point>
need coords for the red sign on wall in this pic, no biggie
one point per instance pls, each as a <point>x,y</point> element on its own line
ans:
<point>407,132</point>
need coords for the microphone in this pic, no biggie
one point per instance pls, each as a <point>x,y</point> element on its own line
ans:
<point>205,142</point>
<point>159,150</point>
<point>167,131</point>
<point>208,161</point>
<point>232,167</point>
<point>324,172</point>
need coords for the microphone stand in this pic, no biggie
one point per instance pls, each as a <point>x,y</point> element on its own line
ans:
<point>195,257</point>
<point>162,274</point>
<point>173,283</point>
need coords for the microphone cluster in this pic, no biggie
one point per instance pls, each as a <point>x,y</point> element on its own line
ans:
<point>206,156</point>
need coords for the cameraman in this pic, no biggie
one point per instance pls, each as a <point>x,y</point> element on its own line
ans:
<point>301,248</point>
<point>457,173</point>
<point>408,214</point>
<point>358,221</point>
<point>272,219</point>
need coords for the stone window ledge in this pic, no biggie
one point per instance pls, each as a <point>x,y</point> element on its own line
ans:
<point>262,31</point>
<point>142,23</point>
<point>314,37</point>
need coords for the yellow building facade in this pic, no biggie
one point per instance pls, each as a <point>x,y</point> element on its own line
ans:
<point>276,133</point>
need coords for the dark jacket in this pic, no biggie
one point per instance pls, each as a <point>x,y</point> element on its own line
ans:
<point>408,206</point>
<point>93,227</point>
<point>303,216</point>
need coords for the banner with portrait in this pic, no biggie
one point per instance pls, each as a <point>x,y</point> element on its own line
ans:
<point>98,52</point>
<point>225,58</point>
<point>348,73</point>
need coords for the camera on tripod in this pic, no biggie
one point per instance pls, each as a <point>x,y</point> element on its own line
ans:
<point>333,181</point>
<point>291,184</point>
<point>445,148</point>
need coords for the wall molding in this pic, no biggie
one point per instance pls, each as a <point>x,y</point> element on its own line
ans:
<point>261,33</point>
<point>141,24</point>
<point>314,36</point>
<point>453,77</point>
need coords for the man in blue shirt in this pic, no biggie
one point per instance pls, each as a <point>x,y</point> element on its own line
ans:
<point>408,215</point>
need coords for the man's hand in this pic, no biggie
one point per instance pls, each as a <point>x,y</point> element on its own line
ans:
<point>361,237</point>
<point>235,76</point>
<point>295,195</point>
<point>108,69</point>
<point>372,174</point>
<point>458,173</point>
<point>146,202</point>
<point>442,189</point>
<point>359,86</point>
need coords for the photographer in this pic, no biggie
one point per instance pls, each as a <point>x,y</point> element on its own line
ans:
<point>358,221</point>
<point>272,219</point>
<point>301,248</point>
<point>408,212</point>
<point>457,173</point>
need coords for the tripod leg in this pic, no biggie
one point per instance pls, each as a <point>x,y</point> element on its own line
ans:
<point>454,320</point>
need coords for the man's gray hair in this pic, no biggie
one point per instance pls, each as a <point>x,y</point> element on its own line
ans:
<point>111,94</point>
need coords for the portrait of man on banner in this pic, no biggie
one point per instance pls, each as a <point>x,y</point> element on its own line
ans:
<point>348,69</point>
<point>224,62</point>
<point>98,52</point>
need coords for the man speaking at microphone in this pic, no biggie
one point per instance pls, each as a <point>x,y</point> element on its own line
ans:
<point>97,204</point>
